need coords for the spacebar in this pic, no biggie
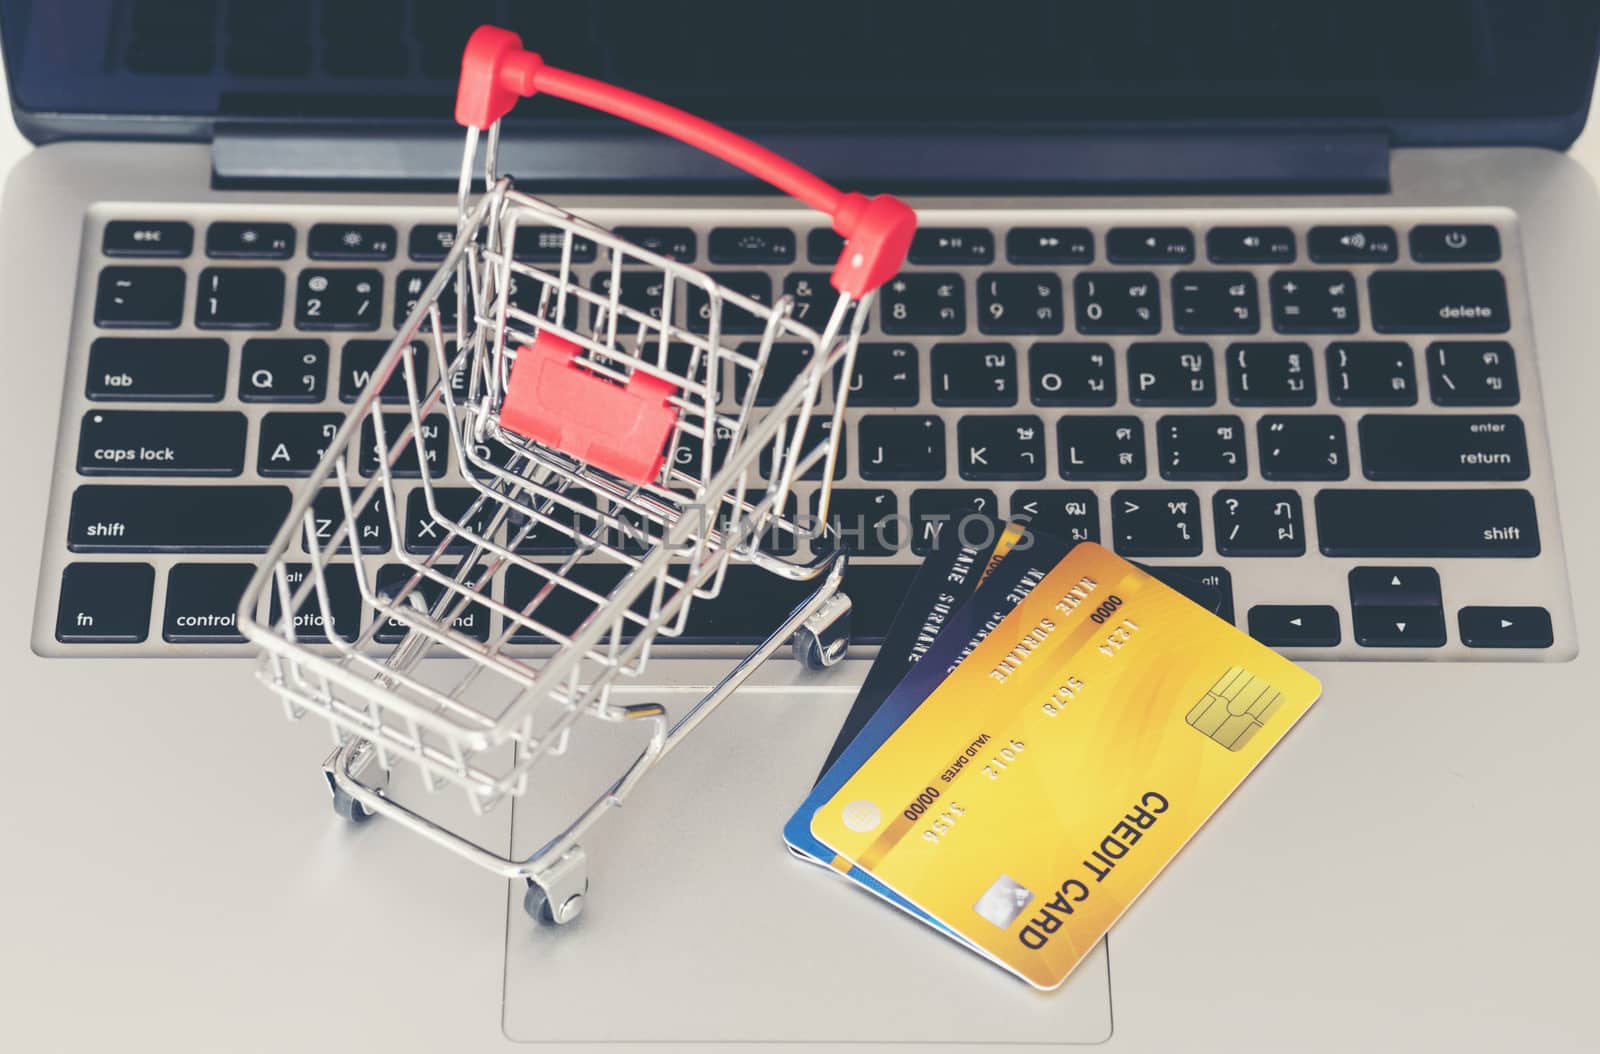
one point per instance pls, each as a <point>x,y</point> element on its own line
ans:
<point>1482,522</point>
<point>200,519</point>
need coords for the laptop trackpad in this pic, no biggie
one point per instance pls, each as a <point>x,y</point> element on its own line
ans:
<point>700,927</point>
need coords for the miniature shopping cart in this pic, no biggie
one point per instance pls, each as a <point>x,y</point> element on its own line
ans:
<point>613,459</point>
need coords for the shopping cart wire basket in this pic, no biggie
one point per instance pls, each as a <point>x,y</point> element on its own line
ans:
<point>613,459</point>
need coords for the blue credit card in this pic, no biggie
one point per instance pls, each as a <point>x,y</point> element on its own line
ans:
<point>1011,580</point>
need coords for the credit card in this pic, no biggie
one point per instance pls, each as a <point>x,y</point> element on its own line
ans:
<point>1039,789</point>
<point>1010,579</point>
<point>961,557</point>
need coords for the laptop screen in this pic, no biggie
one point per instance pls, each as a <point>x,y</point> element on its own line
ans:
<point>1431,70</point>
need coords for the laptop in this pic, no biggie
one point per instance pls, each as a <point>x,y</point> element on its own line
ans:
<point>1297,300</point>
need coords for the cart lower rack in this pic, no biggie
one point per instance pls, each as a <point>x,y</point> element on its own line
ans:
<point>608,459</point>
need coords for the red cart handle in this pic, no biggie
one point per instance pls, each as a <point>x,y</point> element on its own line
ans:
<point>496,72</point>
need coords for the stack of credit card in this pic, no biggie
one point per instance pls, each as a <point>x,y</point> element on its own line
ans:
<point>1044,727</point>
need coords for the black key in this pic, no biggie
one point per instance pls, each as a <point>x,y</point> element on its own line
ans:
<point>293,444</point>
<point>1454,243</point>
<point>1117,302</point>
<point>814,299</point>
<point>686,453</point>
<point>1258,523</point>
<point>643,291</point>
<point>161,443</point>
<point>1050,245</point>
<point>139,298</point>
<point>974,374</point>
<point>560,608</point>
<point>311,621</point>
<point>1472,373</point>
<point>351,241</point>
<point>1008,447</point>
<point>174,518</point>
<point>1072,375</point>
<point>901,447</point>
<point>1478,522</point>
<point>752,602</point>
<point>1210,587</point>
<point>546,245</point>
<point>864,521</point>
<point>1439,302</point>
<point>435,444</point>
<point>466,616</point>
<point>820,428</point>
<point>371,523</point>
<point>1215,302</point>
<point>1250,245</point>
<point>1458,448</point>
<point>962,511</point>
<point>1070,514</point>
<point>1371,373</point>
<point>358,362</point>
<point>785,363</point>
<point>1150,245</point>
<point>775,539</point>
<point>1274,374</point>
<point>170,238</point>
<point>239,298</point>
<point>410,286</point>
<point>823,246</point>
<point>885,375</point>
<point>1156,522</point>
<point>1100,447</point>
<point>753,284</point>
<point>283,371</point>
<point>460,510</point>
<point>431,242</point>
<point>751,245</point>
<point>339,299</point>
<point>203,603</point>
<point>675,243</point>
<point>1398,627</point>
<point>1310,446</point>
<point>1505,627</point>
<point>924,303</point>
<point>1295,625</point>
<point>1171,374</point>
<point>1314,302</point>
<point>134,369</point>
<point>1395,587</point>
<point>1353,244</point>
<point>105,603</point>
<point>250,241</point>
<point>951,245</point>
<point>1019,302</point>
<point>1200,446</point>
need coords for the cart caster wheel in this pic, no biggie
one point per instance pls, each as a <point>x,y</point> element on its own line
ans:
<point>350,809</point>
<point>824,637</point>
<point>538,906</point>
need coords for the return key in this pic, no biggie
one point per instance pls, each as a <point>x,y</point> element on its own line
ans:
<point>1456,448</point>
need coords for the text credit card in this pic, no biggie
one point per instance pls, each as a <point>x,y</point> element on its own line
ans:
<point>1041,787</point>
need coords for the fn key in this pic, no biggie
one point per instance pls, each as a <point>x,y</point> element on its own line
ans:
<point>105,603</point>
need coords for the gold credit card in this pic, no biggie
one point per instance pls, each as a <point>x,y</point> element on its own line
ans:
<point>1043,785</point>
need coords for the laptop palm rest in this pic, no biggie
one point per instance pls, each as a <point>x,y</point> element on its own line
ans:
<point>701,928</point>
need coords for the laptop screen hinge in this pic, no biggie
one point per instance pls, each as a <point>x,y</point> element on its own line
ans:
<point>909,160</point>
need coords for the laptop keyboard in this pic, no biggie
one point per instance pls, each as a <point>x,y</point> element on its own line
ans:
<point>1334,425</point>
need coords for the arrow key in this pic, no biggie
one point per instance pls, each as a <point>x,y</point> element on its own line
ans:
<point>1394,586</point>
<point>1295,625</point>
<point>1505,627</point>
<point>1398,627</point>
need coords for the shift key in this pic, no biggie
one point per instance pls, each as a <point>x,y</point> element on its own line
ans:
<point>1471,523</point>
<point>175,518</point>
